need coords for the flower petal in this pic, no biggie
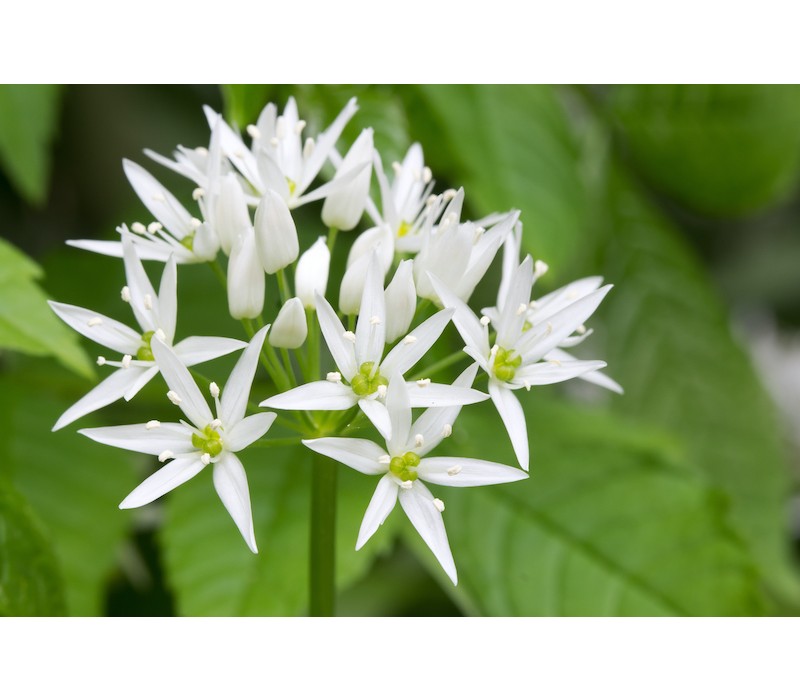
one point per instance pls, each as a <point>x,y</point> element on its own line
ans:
<point>513,312</point>
<point>166,209</point>
<point>561,298</point>
<point>513,418</point>
<point>593,377</point>
<point>403,356</point>
<point>314,396</point>
<point>247,431</point>
<point>378,416</point>
<point>202,348</point>
<point>325,142</point>
<point>398,406</point>
<point>418,504</point>
<point>233,147</point>
<point>230,481</point>
<point>356,453</point>
<point>460,471</point>
<point>168,299</point>
<point>180,381</point>
<point>552,371</point>
<point>381,504</point>
<point>108,333</point>
<point>144,301</point>
<point>233,402</point>
<point>342,350</point>
<point>175,437</point>
<point>371,324</point>
<point>467,323</point>
<point>141,380</point>
<point>437,395</point>
<point>170,476</point>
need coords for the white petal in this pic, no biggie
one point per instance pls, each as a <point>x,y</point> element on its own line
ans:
<point>233,147</point>
<point>237,389</point>
<point>344,207</point>
<point>514,307</point>
<point>144,301</point>
<point>513,418</point>
<point>378,416</point>
<point>462,471</point>
<point>378,510</point>
<point>311,273</point>
<point>378,238</point>
<point>202,348</point>
<point>275,233</point>
<point>401,301</point>
<point>418,504</point>
<point>437,395</point>
<point>371,324</point>
<point>161,203</point>
<point>467,323</point>
<point>180,381</point>
<point>247,431</point>
<point>325,142</point>
<point>109,333</point>
<point>483,253</point>
<point>314,396</point>
<point>231,484</point>
<point>140,381</point>
<point>398,406</point>
<point>358,454</point>
<point>598,378</point>
<point>554,371</point>
<point>246,281</point>
<point>405,355</point>
<point>170,476</point>
<point>342,350</point>
<point>561,298</point>
<point>511,251</point>
<point>168,299</point>
<point>113,387</point>
<point>175,437</point>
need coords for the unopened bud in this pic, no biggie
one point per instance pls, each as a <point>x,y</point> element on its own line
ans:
<point>289,330</point>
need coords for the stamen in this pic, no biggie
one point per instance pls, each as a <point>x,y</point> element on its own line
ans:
<point>447,430</point>
<point>152,424</point>
<point>165,455</point>
<point>253,131</point>
<point>427,175</point>
<point>148,302</point>
<point>126,361</point>
<point>159,197</point>
<point>308,148</point>
<point>334,377</point>
<point>540,267</point>
<point>406,484</point>
<point>549,328</point>
<point>439,505</point>
<point>431,200</point>
<point>533,303</point>
<point>409,340</point>
<point>485,321</point>
<point>201,151</point>
<point>172,396</point>
<point>555,363</point>
<point>479,231</point>
<point>581,329</point>
<point>349,335</point>
<point>101,360</point>
<point>384,459</point>
<point>422,383</point>
<point>125,294</point>
<point>161,335</point>
<point>419,440</point>
<point>216,423</point>
<point>521,309</point>
<point>273,141</point>
<point>155,227</point>
<point>298,128</point>
<point>138,227</point>
<point>526,383</point>
<point>381,391</point>
<point>195,222</point>
<point>375,321</point>
<point>397,168</point>
<point>455,469</point>
<point>205,458</point>
<point>95,321</point>
<point>198,193</point>
<point>447,195</point>
<point>214,389</point>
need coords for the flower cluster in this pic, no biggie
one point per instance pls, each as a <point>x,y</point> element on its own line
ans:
<point>407,277</point>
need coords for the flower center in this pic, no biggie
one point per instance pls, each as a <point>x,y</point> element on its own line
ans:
<point>505,364</point>
<point>368,379</point>
<point>188,241</point>
<point>403,229</point>
<point>145,353</point>
<point>405,466</point>
<point>292,185</point>
<point>208,442</point>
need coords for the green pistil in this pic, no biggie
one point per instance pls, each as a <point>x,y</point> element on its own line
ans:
<point>368,379</point>
<point>188,241</point>
<point>145,353</point>
<point>505,364</point>
<point>403,229</point>
<point>208,442</point>
<point>292,186</point>
<point>405,467</point>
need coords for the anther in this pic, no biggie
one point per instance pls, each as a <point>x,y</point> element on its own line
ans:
<point>154,227</point>
<point>205,458</point>
<point>273,141</point>
<point>526,384</point>
<point>581,329</point>
<point>138,227</point>
<point>479,231</point>
<point>126,361</point>
<point>555,363</point>
<point>216,423</point>
<point>422,383</point>
<point>214,389</point>
<point>349,335</point>
<point>419,440</point>
<point>455,469</point>
<point>253,131</point>
<point>406,484</point>
<point>447,430</point>
<point>540,267</point>
<point>165,455</point>
<point>409,340</point>
<point>485,321</point>
<point>152,424</point>
<point>384,459</point>
<point>397,168</point>
<point>447,195</point>
<point>549,328</point>
<point>521,309</point>
<point>431,200</point>
<point>198,193</point>
<point>195,222</point>
<point>438,504</point>
<point>333,377</point>
<point>172,396</point>
<point>201,151</point>
<point>381,391</point>
<point>427,175</point>
<point>375,321</point>
<point>238,154</point>
<point>94,321</point>
<point>308,148</point>
<point>101,360</point>
<point>148,302</point>
<point>298,128</point>
<point>125,294</point>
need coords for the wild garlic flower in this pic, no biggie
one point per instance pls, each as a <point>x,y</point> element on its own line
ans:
<point>156,315</point>
<point>187,448</point>
<point>403,467</point>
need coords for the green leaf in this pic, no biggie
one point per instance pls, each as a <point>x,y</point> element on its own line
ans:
<point>73,484</point>
<point>210,568</point>
<point>28,120</point>
<point>26,322</point>
<point>612,522</point>
<point>724,150</point>
<point>243,103</point>
<point>510,147</point>
<point>30,582</point>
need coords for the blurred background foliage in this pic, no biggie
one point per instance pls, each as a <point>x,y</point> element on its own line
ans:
<point>674,499</point>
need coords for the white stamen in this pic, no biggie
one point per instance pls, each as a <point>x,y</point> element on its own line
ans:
<point>397,168</point>
<point>216,423</point>
<point>165,455</point>
<point>581,329</point>
<point>521,309</point>
<point>161,335</point>
<point>349,335</point>
<point>273,141</point>
<point>94,321</point>
<point>198,193</point>
<point>384,459</point>
<point>494,349</point>
<point>526,384</point>
<point>214,389</point>
<point>406,485</point>
<point>409,340</point>
<point>485,321</point>
<point>201,151</point>
<point>447,195</point>
<point>205,458</point>
<point>308,148</point>
<point>238,154</point>
<point>427,175</point>
<point>253,131</point>
<point>455,469</point>
<point>555,363</point>
<point>375,321</point>
<point>549,328</point>
<point>148,302</point>
<point>431,200</point>
<point>333,377</point>
<point>158,197</point>
<point>101,360</point>
<point>479,231</point>
<point>126,361</point>
<point>172,396</point>
<point>195,222</point>
<point>125,294</point>
<point>152,424</point>
<point>381,392</point>
<point>540,267</point>
<point>419,440</point>
<point>138,227</point>
<point>422,383</point>
<point>447,430</point>
<point>533,303</point>
<point>439,504</point>
<point>298,128</point>
<point>154,227</point>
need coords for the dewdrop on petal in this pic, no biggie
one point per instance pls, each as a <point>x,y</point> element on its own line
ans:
<point>289,330</point>
<point>311,274</point>
<point>276,234</point>
<point>344,206</point>
<point>245,279</point>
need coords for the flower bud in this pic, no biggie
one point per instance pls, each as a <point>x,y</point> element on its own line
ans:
<point>378,238</point>
<point>345,204</point>
<point>353,285</point>
<point>245,278</point>
<point>231,215</point>
<point>401,301</point>
<point>311,274</point>
<point>204,242</point>
<point>276,235</point>
<point>289,330</point>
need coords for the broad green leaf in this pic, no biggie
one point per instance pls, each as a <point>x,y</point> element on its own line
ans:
<point>28,120</point>
<point>612,521</point>
<point>243,103</point>
<point>73,484</point>
<point>30,582</point>
<point>26,322</point>
<point>724,150</point>
<point>209,567</point>
<point>510,147</point>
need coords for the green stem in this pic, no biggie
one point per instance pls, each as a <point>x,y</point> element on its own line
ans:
<point>332,238</point>
<point>283,286</point>
<point>323,537</point>
<point>276,442</point>
<point>219,272</point>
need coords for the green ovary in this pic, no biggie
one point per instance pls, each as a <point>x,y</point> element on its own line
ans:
<point>405,467</point>
<point>292,185</point>
<point>208,442</point>
<point>506,363</point>
<point>403,229</point>
<point>188,241</point>
<point>368,379</point>
<point>145,352</point>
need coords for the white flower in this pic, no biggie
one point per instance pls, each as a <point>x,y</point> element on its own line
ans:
<point>517,359</point>
<point>246,282</point>
<point>311,273</point>
<point>344,206</point>
<point>173,232</point>
<point>208,440</point>
<point>358,357</point>
<point>290,328</point>
<point>458,254</point>
<point>276,234</point>
<point>404,466</point>
<point>156,315</point>
<point>401,301</point>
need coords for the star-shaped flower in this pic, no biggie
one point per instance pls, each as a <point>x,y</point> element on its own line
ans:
<point>361,364</point>
<point>403,467</point>
<point>188,448</point>
<point>156,314</point>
